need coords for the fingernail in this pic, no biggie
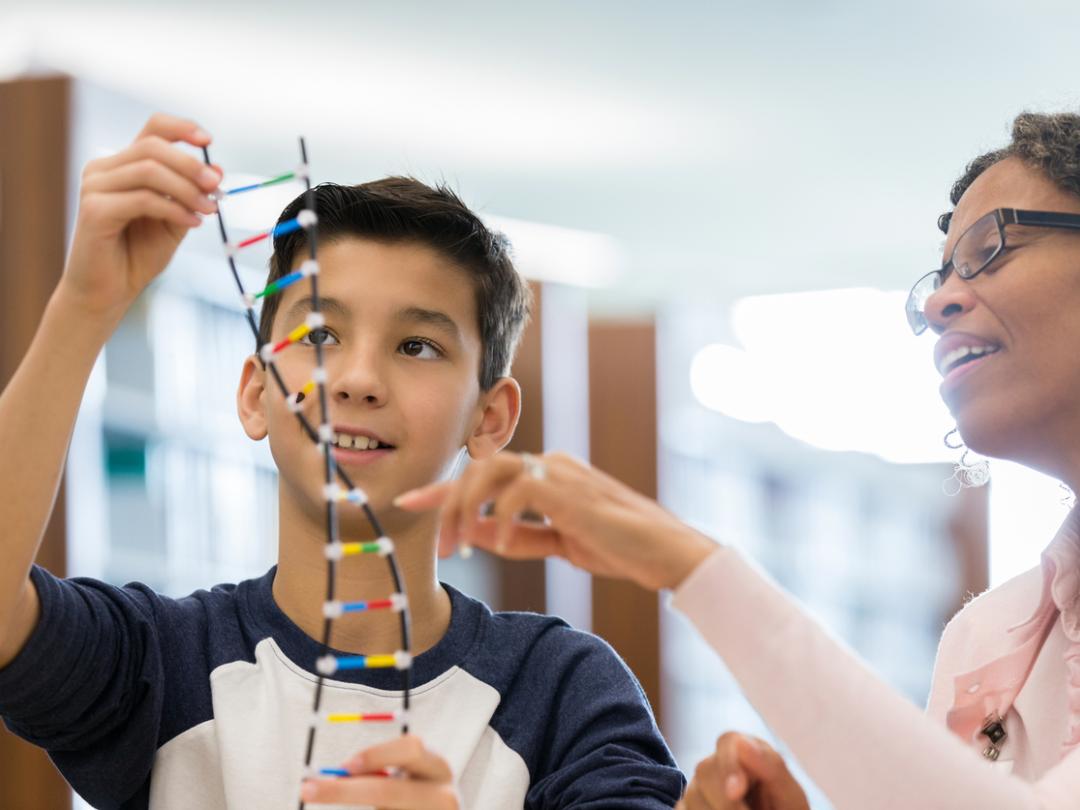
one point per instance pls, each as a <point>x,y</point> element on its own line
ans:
<point>201,134</point>
<point>732,786</point>
<point>307,791</point>
<point>356,763</point>
<point>208,177</point>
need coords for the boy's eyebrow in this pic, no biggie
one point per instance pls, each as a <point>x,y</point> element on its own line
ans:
<point>431,317</point>
<point>305,305</point>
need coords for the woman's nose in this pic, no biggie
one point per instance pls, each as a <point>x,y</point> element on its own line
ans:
<point>951,300</point>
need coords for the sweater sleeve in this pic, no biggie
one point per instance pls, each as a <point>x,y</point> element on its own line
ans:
<point>87,686</point>
<point>601,749</point>
<point>863,743</point>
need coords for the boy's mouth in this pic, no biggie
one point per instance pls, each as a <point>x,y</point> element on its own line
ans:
<point>357,441</point>
<point>353,446</point>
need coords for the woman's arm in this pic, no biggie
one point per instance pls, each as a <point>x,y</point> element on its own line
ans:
<point>864,744</point>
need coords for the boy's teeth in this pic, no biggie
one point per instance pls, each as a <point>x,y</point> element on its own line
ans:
<point>348,442</point>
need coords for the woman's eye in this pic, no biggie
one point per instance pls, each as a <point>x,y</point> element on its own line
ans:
<point>421,349</point>
<point>318,337</point>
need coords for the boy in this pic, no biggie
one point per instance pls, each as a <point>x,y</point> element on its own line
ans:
<point>204,702</point>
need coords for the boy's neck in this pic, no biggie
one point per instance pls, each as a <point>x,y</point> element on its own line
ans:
<point>300,585</point>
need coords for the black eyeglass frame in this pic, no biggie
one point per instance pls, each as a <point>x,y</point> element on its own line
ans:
<point>1002,216</point>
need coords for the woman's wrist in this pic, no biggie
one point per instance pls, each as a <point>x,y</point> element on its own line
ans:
<point>688,551</point>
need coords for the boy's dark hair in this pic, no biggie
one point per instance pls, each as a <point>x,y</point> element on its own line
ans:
<point>402,209</point>
<point>1049,142</point>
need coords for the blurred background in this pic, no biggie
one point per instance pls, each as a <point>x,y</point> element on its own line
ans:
<point>720,206</point>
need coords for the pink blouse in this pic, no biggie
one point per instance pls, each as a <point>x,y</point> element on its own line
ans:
<point>1015,651</point>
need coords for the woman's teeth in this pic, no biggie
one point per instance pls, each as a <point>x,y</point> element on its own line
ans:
<point>347,441</point>
<point>963,355</point>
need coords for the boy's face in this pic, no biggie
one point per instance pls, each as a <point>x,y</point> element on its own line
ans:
<point>402,353</point>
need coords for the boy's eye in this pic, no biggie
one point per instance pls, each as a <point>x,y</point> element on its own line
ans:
<point>318,337</point>
<point>423,349</point>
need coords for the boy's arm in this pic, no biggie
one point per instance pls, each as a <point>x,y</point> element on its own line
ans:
<point>601,748</point>
<point>134,209</point>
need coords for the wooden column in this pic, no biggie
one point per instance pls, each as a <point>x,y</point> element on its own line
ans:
<point>623,443</point>
<point>522,585</point>
<point>34,123</point>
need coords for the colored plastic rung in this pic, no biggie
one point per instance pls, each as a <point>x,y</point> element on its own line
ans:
<point>273,181</point>
<point>370,717</point>
<point>329,664</point>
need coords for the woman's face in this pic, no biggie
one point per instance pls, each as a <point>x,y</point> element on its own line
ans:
<point>1021,398</point>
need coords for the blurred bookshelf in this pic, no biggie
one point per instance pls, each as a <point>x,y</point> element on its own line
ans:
<point>862,543</point>
<point>188,500</point>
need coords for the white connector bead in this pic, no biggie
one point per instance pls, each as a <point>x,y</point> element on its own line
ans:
<point>332,492</point>
<point>333,610</point>
<point>315,320</point>
<point>319,375</point>
<point>398,602</point>
<point>248,300</point>
<point>356,496</point>
<point>293,404</point>
<point>327,665</point>
<point>402,660</point>
<point>326,434</point>
<point>334,551</point>
<point>266,353</point>
<point>307,218</point>
<point>386,546</point>
<point>309,268</point>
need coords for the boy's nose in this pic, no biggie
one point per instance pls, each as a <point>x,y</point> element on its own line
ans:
<point>358,380</point>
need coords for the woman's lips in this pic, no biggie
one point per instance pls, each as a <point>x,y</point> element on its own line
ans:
<point>964,369</point>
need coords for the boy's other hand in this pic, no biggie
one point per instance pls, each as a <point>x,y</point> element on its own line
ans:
<point>134,208</point>
<point>592,520</point>
<point>744,773</point>
<point>426,782</point>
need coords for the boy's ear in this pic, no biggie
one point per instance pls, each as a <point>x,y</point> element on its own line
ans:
<point>249,399</point>
<point>500,409</point>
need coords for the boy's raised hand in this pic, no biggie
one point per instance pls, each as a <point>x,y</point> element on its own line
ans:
<point>134,209</point>
<point>427,782</point>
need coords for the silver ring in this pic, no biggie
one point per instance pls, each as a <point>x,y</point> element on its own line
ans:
<point>534,467</point>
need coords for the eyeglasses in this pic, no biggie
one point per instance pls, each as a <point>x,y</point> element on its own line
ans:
<point>975,250</point>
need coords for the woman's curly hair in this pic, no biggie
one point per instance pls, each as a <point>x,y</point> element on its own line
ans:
<point>1049,142</point>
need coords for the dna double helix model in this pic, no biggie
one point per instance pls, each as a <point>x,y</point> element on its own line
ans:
<point>338,488</point>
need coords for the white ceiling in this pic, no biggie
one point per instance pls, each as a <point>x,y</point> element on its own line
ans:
<point>731,148</point>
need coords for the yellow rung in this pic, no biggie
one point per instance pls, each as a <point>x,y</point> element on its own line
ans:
<point>381,661</point>
<point>298,333</point>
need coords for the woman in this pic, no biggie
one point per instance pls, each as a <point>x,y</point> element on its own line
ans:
<point>1004,710</point>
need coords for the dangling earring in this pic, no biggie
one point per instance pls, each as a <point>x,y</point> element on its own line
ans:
<point>967,473</point>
